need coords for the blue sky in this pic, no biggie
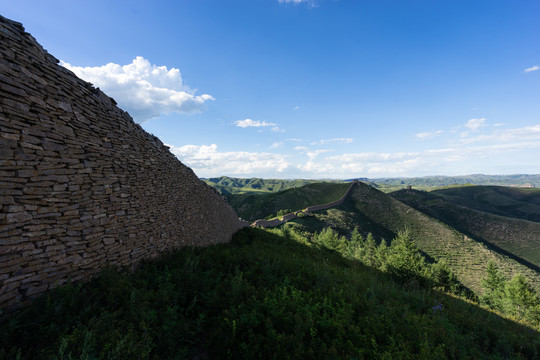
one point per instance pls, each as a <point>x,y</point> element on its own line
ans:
<point>313,89</point>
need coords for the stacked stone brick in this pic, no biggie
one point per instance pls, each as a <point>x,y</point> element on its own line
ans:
<point>81,184</point>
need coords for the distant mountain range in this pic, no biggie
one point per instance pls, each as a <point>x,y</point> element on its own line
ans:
<point>229,185</point>
<point>519,180</point>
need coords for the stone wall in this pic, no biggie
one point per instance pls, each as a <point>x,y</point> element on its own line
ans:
<point>82,185</point>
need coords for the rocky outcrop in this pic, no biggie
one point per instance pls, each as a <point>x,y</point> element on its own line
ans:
<point>81,184</point>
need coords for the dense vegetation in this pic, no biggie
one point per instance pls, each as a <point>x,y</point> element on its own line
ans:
<point>519,203</point>
<point>372,211</point>
<point>511,235</point>
<point>514,297</point>
<point>371,279</point>
<point>269,295</point>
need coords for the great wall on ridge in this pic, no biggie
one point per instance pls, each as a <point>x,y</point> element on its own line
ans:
<point>295,214</point>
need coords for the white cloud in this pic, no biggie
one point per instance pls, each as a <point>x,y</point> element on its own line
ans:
<point>309,3</point>
<point>207,161</point>
<point>314,166</point>
<point>296,108</point>
<point>296,1</point>
<point>354,164</point>
<point>474,124</point>
<point>527,133</point>
<point>428,134</point>
<point>314,153</point>
<point>335,140</point>
<point>276,145</point>
<point>532,68</point>
<point>496,149</point>
<point>142,89</point>
<point>487,149</point>
<point>256,123</point>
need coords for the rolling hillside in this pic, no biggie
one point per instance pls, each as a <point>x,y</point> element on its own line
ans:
<point>285,293</point>
<point>520,203</point>
<point>374,211</point>
<point>258,206</point>
<point>227,185</point>
<point>521,238</point>
<point>475,179</point>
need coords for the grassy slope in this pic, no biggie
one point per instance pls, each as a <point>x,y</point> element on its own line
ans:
<point>258,206</point>
<point>261,297</point>
<point>376,212</point>
<point>499,200</point>
<point>518,237</point>
<point>467,257</point>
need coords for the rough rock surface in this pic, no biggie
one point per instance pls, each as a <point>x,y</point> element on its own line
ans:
<point>82,185</point>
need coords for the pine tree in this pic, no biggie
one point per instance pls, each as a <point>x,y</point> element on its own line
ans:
<point>370,251</point>
<point>356,236</point>
<point>354,248</point>
<point>521,298</point>
<point>443,278</point>
<point>494,288</point>
<point>404,259</point>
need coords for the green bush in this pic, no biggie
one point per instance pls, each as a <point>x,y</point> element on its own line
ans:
<point>267,295</point>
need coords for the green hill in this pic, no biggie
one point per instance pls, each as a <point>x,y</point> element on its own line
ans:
<point>264,296</point>
<point>227,185</point>
<point>311,288</point>
<point>521,238</point>
<point>520,203</point>
<point>258,206</point>
<point>371,210</point>
<point>431,182</point>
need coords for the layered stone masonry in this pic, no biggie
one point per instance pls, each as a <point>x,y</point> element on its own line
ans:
<point>81,184</point>
<point>294,215</point>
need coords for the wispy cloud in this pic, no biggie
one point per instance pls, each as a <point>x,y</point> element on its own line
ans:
<point>427,162</point>
<point>142,89</point>
<point>429,134</point>
<point>485,148</point>
<point>474,124</point>
<point>335,140</point>
<point>253,123</point>
<point>276,145</point>
<point>309,2</point>
<point>256,123</point>
<point>532,68</point>
<point>516,135</point>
